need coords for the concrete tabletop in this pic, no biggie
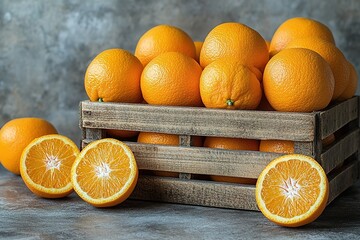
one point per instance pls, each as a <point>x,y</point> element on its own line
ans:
<point>26,216</point>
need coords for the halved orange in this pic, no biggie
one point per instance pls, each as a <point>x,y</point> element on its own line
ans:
<point>292,190</point>
<point>45,165</point>
<point>105,173</point>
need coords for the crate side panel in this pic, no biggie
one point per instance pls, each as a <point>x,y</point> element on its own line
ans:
<point>341,150</point>
<point>195,192</point>
<point>338,116</point>
<point>343,179</point>
<point>199,121</point>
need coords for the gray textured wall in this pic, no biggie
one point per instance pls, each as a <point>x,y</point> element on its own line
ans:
<point>45,46</point>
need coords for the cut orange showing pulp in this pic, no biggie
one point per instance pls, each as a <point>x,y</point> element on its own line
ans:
<point>292,190</point>
<point>45,165</point>
<point>105,173</point>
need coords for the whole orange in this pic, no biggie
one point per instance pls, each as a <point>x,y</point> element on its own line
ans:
<point>232,143</point>
<point>198,46</point>
<point>298,27</point>
<point>114,76</point>
<point>121,134</point>
<point>332,55</point>
<point>172,78</point>
<point>16,134</point>
<point>277,146</point>
<point>226,83</point>
<point>165,139</point>
<point>292,83</point>
<point>350,89</point>
<point>161,39</point>
<point>235,40</point>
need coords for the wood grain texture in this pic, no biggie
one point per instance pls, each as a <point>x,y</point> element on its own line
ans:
<point>199,121</point>
<point>338,116</point>
<point>195,192</point>
<point>341,150</point>
<point>342,179</point>
<point>201,160</point>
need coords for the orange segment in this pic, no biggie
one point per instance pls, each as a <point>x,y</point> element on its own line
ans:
<point>45,165</point>
<point>292,190</point>
<point>105,173</point>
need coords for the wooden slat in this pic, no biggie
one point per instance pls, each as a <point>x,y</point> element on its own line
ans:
<point>338,116</point>
<point>306,148</point>
<point>343,179</point>
<point>195,192</point>
<point>199,121</point>
<point>340,151</point>
<point>199,160</point>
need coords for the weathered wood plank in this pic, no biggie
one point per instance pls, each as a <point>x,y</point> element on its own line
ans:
<point>195,192</point>
<point>306,148</point>
<point>199,121</point>
<point>343,179</point>
<point>185,141</point>
<point>340,151</point>
<point>200,160</point>
<point>338,116</point>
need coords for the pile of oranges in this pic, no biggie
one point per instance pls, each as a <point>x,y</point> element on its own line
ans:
<point>299,70</point>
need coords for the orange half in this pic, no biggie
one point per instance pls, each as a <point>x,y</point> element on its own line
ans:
<point>45,165</point>
<point>105,173</point>
<point>292,190</point>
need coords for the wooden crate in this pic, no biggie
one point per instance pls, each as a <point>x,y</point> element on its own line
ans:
<point>340,160</point>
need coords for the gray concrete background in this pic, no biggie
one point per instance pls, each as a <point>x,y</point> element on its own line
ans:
<point>45,46</point>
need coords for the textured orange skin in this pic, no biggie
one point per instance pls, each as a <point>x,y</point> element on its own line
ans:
<point>350,89</point>
<point>232,144</point>
<point>36,191</point>
<point>172,78</point>
<point>332,55</point>
<point>235,40</point>
<point>277,146</point>
<point>121,133</point>
<point>227,80</point>
<point>114,76</point>
<point>298,80</point>
<point>162,39</point>
<point>16,134</point>
<point>198,46</point>
<point>295,28</point>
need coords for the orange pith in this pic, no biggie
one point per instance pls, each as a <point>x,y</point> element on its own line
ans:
<point>45,165</point>
<point>105,173</point>
<point>292,190</point>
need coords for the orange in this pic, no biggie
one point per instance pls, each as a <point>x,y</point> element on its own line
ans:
<point>277,146</point>
<point>172,78</point>
<point>292,190</point>
<point>121,133</point>
<point>161,39</point>
<point>332,55</point>
<point>226,83</point>
<point>235,40</point>
<point>328,140</point>
<point>45,165</point>
<point>292,83</point>
<point>105,173</point>
<point>232,144</point>
<point>351,87</point>
<point>296,28</point>
<point>114,76</point>
<point>198,46</point>
<point>16,134</point>
<point>165,139</point>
